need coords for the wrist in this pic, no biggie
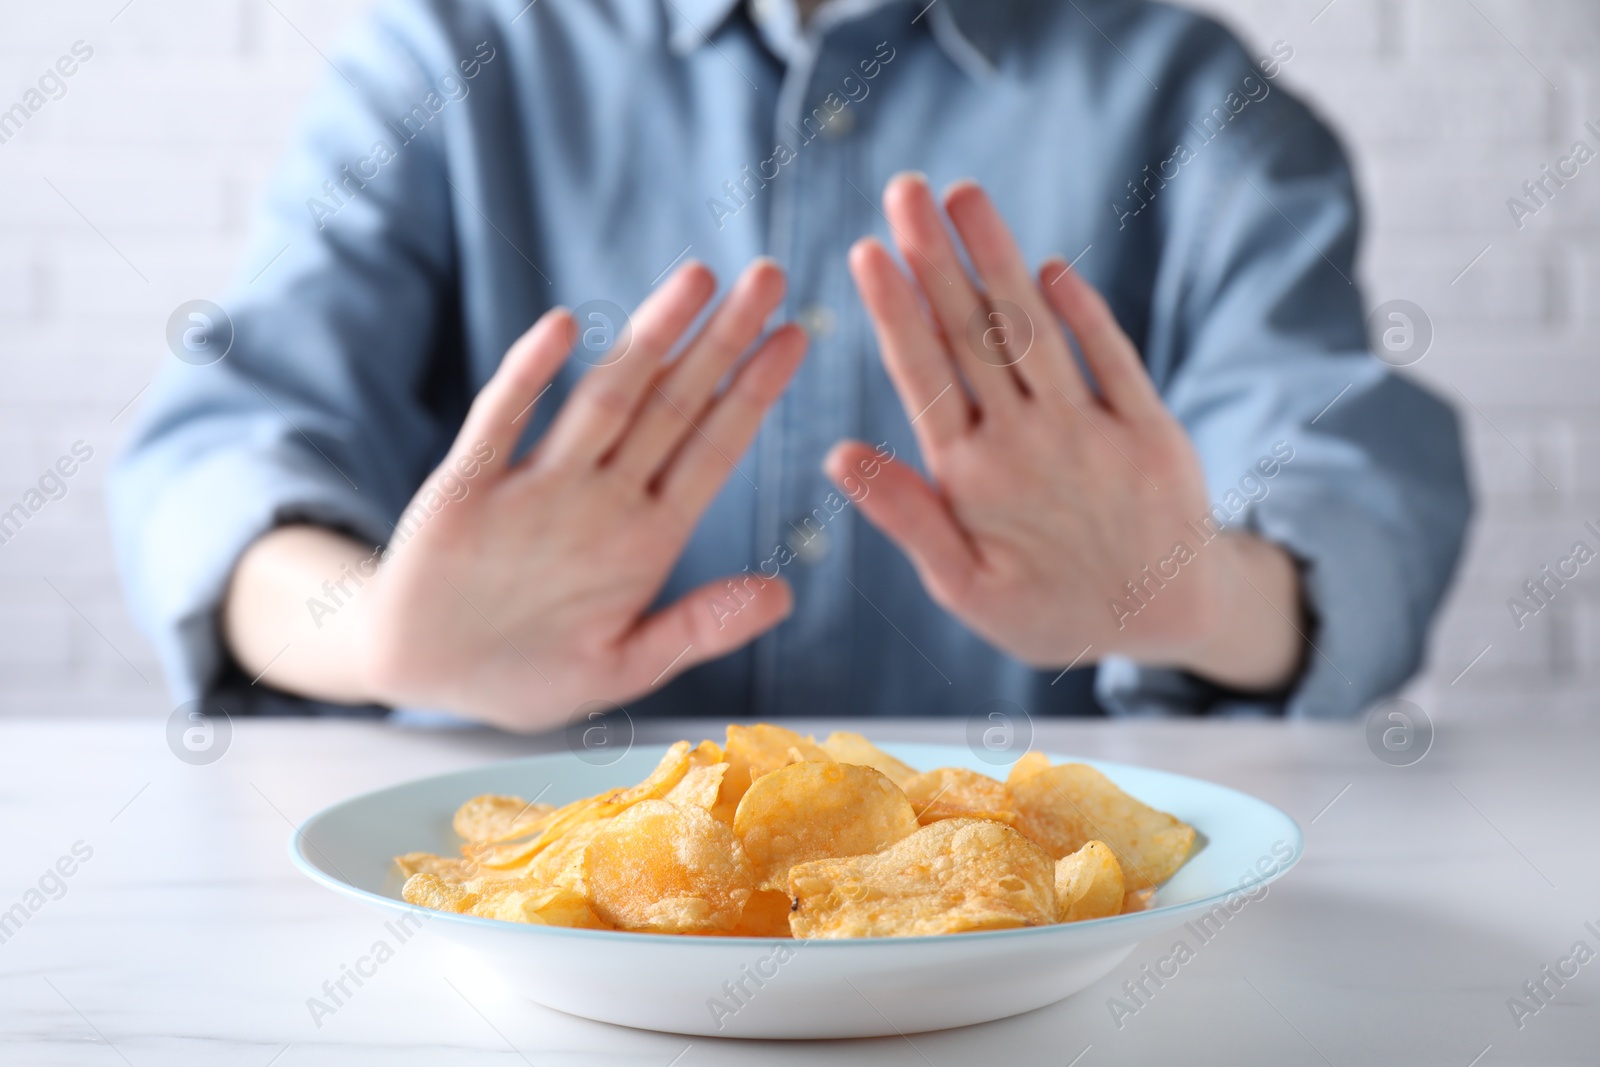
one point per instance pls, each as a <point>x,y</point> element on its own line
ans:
<point>296,614</point>
<point>1249,634</point>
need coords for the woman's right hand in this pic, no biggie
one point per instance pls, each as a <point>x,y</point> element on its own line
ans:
<point>527,595</point>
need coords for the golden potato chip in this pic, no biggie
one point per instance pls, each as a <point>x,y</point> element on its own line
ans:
<point>808,811</point>
<point>953,876</point>
<point>700,786</point>
<point>493,818</point>
<point>669,772</point>
<point>430,891</point>
<point>562,863</point>
<point>506,856</point>
<point>666,869</point>
<point>1063,808</point>
<point>797,756</point>
<point>444,867</point>
<point>753,751</point>
<point>705,754</point>
<point>957,793</point>
<point>766,914</point>
<point>1088,884</point>
<point>522,900</point>
<point>1137,899</point>
<point>1030,762</point>
<point>541,905</point>
<point>846,747</point>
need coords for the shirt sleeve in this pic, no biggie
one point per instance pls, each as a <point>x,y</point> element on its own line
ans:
<point>1258,344</point>
<point>327,407</point>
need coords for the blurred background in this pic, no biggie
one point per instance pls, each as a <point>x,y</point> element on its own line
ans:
<point>126,193</point>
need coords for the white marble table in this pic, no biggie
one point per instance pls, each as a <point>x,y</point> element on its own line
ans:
<point>1428,896</point>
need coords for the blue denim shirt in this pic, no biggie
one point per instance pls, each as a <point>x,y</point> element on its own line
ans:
<point>467,164</point>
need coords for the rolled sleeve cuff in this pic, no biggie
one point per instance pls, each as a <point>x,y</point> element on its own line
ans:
<point>199,526</point>
<point>1363,639</point>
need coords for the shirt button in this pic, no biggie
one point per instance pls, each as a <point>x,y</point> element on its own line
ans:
<point>809,543</point>
<point>839,125</point>
<point>819,321</point>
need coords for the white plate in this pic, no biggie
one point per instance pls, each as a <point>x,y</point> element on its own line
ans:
<point>750,987</point>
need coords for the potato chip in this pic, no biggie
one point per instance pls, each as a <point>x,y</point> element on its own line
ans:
<point>765,915</point>
<point>953,876</point>
<point>846,747</point>
<point>1063,808</point>
<point>700,786</point>
<point>430,891</point>
<point>443,867</point>
<point>562,863</point>
<point>450,869</point>
<point>705,754</point>
<point>666,869</point>
<point>668,773</point>
<point>507,855</point>
<point>542,905</point>
<point>957,793</point>
<point>808,811</point>
<point>753,751</point>
<point>1137,899</point>
<point>522,900</point>
<point>1030,762</point>
<point>1088,884</point>
<point>491,818</point>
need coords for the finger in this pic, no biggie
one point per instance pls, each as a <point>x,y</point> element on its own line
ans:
<point>911,515</point>
<point>697,473</point>
<point>607,399</point>
<point>1124,382</point>
<point>705,624</point>
<point>924,241</point>
<point>1046,364</point>
<point>913,354</point>
<point>500,411</point>
<point>679,399</point>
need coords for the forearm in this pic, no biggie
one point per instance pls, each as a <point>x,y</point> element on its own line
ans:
<point>1254,641</point>
<point>292,613</point>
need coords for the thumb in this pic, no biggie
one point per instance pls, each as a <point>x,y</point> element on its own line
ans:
<point>704,624</point>
<point>898,502</point>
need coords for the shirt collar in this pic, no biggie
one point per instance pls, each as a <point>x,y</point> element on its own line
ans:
<point>692,22</point>
<point>957,25</point>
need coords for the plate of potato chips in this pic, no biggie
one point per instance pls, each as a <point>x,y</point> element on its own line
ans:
<point>773,885</point>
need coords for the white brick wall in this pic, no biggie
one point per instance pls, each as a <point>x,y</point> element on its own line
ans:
<point>165,136</point>
<point>161,141</point>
